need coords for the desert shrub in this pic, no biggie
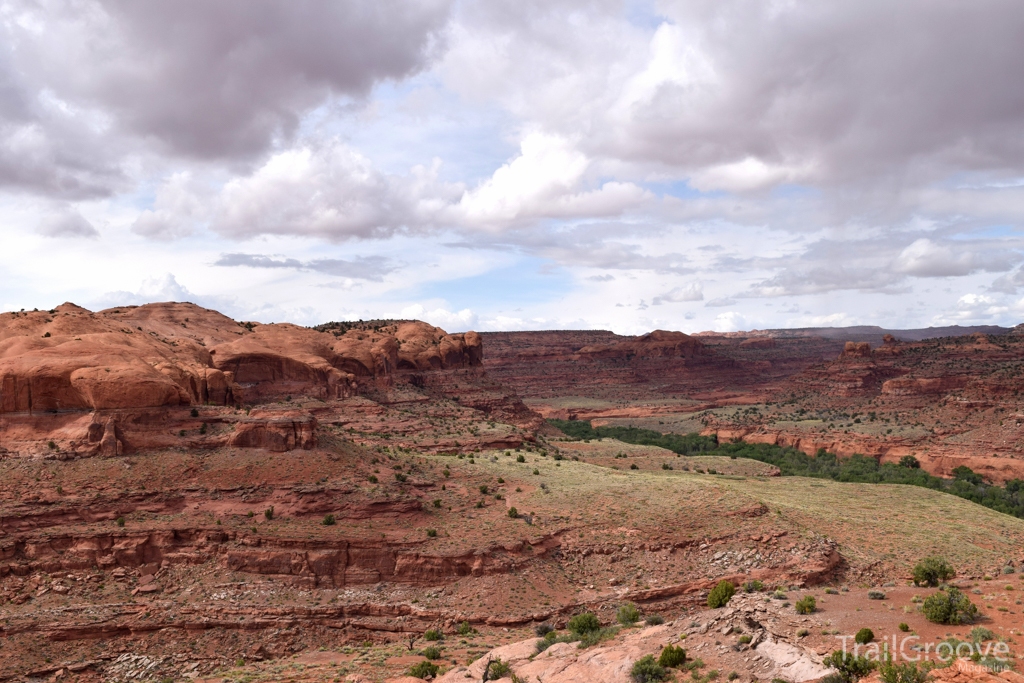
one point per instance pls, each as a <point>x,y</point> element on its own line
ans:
<point>513,513</point>
<point>672,657</point>
<point>269,512</point>
<point>497,669</point>
<point>372,479</point>
<point>753,586</point>
<point>1008,569</point>
<point>864,636</point>
<point>980,634</point>
<point>543,629</point>
<point>520,458</point>
<point>733,675</point>
<point>627,614</point>
<point>904,626</point>
<point>848,667</point>
<point>910,462</point>
<point>907,672</point>
<point>876,595</point>
<point>425,669</point>
<point>949,607</point>
<point>806,605</point>
<point>586,622</point>
<point>646,670</point>
<point>329,520</point>
<point>120,521</point>
<point>194,413</point>
<point>202,428</point>
<point>437,502</point>
<point>745,638</point>
<point>931,571</point>
<point>431,533</point>
<point>592,638</point>
<point>432,652</point>
<point>721,594</point>
<point>633,466</point>
<point>433,635</point>
<point>465,629</point>
<point>802,633</point>
<point>654,620</point>
<point>831,591</point>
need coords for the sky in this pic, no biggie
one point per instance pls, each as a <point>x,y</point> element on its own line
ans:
<point>518,164</point>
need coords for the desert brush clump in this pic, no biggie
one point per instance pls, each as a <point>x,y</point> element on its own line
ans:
<point>950,606</point>
<point>806,605</point>
<point>848,668</point>
<point>584,623</point>
<point>672,657</point>
<point>907,672</point>
<point>425,669</point>
<point>931,571</point>
<point>721,594</point>
<point>864,636</point>
<point>647,670</point>
<point>628,614</point>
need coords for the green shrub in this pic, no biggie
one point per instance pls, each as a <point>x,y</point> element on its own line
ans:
<point>513,513</point>
<point>431,533</point>
<point>745,638</point>
<point>424,669</point>
<point>980,634</point>
<point>721,594</point>
<point>584,623</point>
<point>437,502</point>
<point>754,586</point>
<point>904,626</point>
<point>633,466</point>
<point>908,672</point>
<point>949,607</point>
<point>848,667</point>
<point>497,669</point>
<point>864,636</point>
<point>672,657</point>
<point>646,670</point>
<point>329,520</point>
<point>654,620</point>
<point>543,629</point>
<point>120,521</point>
<point>520,458</point>
<point>599,636</point>
<point>269,512</point>
<point>910,462</point>
<point>628,614</point>
<point>802,633</point>
<point>433,635</point>
<point>876,595</point>
<point>432,652</point>
<point>931,571</point>
<point>806,605</point>
<point>194,412</point>
<point>465,629</point>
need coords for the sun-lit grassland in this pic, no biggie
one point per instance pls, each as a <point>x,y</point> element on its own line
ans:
<point>893,524</point>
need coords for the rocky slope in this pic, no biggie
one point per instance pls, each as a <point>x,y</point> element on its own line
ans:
<point>75,383</point>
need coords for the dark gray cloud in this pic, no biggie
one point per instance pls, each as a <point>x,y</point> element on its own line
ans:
<point>86,86</point>
<point>868,91</point>
<point>372,268</point>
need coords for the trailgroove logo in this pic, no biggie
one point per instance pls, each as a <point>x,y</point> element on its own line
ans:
<point>990,654</point>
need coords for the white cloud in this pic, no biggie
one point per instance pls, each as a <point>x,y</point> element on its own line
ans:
<point>691,292</point>
<point>450,321</point>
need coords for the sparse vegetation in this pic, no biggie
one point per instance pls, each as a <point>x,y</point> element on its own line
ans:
<point>949,606</point>
<point>672,657</point>
<point>425,669</point>
<point>721,594</point>
<point>647,670</point>
<point>806,605</point>
<point>931,571</point>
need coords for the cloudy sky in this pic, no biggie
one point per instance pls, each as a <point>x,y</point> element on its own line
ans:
<point>518,164</point>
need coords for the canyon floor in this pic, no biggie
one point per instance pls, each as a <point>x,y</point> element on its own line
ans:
<point>313,510</point>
